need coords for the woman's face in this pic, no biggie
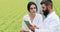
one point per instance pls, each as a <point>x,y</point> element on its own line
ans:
<point>32,9</point>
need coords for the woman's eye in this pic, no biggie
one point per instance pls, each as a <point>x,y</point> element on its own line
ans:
<point>31,8</point>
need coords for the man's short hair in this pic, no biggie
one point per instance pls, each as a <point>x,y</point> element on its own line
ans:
<point>47,3</point>
<point>29,4</point>
<point>47,0</point>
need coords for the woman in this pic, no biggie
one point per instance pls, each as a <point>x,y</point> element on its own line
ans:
<point>33,18</point>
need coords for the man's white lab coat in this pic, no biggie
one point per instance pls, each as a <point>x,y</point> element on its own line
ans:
<point>36,21</point>
<point>50,24</point>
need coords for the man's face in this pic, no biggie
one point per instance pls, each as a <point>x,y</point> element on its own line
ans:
<point>44,9</point>
<point>33,9</point>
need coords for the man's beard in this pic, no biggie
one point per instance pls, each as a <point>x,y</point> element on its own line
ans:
<point>45,13</point>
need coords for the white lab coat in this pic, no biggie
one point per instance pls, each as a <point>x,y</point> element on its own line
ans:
<point>36,21</point>
<point>51,23</point>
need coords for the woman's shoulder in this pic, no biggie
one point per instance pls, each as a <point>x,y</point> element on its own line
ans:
<point>26,16</point>
<point>39,15</point>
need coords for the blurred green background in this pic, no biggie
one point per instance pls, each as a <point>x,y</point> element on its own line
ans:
<point>12,12</point>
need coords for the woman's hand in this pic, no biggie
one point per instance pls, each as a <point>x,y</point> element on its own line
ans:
<point>22,31</point>
<point>31,27</point>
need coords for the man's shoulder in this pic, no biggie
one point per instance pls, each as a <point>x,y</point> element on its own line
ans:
<point>53,16</point>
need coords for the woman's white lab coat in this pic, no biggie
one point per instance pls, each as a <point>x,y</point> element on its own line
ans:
<point>36,21</point>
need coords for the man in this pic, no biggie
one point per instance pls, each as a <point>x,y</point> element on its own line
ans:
<point>51,22</point>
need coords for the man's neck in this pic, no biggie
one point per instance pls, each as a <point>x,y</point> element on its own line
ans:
<point>50,10</point>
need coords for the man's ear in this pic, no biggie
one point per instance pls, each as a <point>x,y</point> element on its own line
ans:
<point>49,7</point>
